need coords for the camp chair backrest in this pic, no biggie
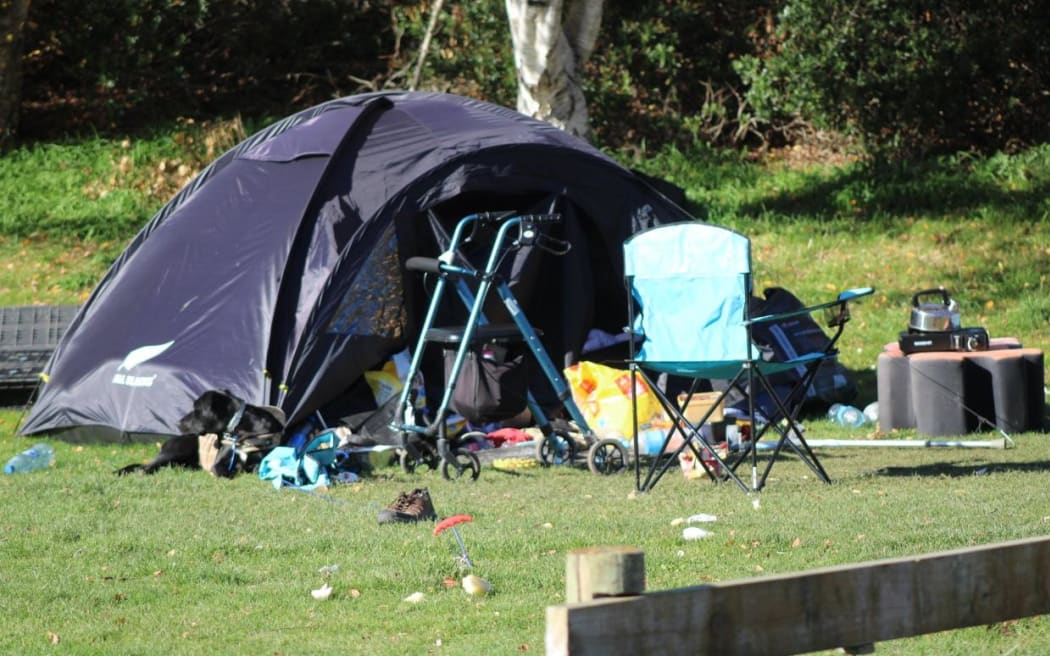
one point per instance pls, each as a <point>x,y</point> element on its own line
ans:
<point>691,284</point>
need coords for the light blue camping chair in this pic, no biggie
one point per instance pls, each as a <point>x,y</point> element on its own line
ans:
<point>689,289</point>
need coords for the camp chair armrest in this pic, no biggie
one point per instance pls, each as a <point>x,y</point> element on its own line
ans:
<point>843,297</point>
<point>856,292</point>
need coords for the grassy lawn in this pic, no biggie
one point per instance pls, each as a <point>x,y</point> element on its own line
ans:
<point>180,563</point>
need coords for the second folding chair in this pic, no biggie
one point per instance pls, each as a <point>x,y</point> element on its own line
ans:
<point>689,289</point>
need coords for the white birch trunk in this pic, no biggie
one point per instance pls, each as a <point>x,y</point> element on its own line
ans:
<point>552,40</point>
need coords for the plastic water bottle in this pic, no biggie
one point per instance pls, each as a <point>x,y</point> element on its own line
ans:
<point>38,456</point>
<point>846,415</point>
<point>871,412</point>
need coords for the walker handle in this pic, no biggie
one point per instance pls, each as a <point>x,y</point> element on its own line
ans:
<point>493,217</point>
<point>424,264</point>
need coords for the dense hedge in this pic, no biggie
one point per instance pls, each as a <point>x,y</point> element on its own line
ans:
<point>105,66</point>
<point>110,64</point>
<point>663,70</point>
<point>912,77</point>
<point>906,77</point>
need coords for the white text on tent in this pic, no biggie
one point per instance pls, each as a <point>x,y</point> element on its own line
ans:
<point>134,381</point>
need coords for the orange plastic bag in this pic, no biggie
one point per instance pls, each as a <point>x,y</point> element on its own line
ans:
<point>603,395</point>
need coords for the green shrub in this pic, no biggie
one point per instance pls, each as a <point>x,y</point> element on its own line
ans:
<point>469,54</point>
<point>102,65</point>
<point>908,78</point>
<point>662,71</point>
<point>911,78</point>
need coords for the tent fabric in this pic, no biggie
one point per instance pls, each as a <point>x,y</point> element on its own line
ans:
<point>277,273</point>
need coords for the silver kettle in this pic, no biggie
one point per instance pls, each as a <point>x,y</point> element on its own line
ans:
<point>927,317</point>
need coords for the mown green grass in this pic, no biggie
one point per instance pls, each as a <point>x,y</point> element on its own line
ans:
<point>182,563</point>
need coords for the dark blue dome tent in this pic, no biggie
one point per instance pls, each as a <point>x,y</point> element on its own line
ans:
<point>277,273</point>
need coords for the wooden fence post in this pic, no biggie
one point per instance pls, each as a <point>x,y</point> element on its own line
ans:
<point>856,605</point>
<point>595,572</point>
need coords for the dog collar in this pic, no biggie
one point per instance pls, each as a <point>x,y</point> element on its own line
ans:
<point>236,418</point>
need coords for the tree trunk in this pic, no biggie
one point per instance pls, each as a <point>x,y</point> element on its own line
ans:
<point>552,40</point>
<point>12,22</point>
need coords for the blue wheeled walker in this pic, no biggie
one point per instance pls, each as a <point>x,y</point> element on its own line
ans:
<point>489,357</point>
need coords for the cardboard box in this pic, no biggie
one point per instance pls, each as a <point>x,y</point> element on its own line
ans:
<point>699,404</point>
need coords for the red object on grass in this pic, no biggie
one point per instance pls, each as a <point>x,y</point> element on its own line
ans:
<point>449,522</point>
<point>504,436</point>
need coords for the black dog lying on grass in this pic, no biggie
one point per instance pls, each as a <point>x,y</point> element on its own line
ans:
<point>237,424</point>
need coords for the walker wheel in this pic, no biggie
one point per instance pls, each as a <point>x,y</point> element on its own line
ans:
<point>425,457</point>
<point>463,463</point>
<point>607,457</point>
<point>558,448</point>
<point>407,462</point>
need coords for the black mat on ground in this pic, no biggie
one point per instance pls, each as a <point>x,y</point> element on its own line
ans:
<point>28,335</point>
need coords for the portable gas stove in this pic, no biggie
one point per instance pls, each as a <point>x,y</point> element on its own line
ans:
<point>937,327</point>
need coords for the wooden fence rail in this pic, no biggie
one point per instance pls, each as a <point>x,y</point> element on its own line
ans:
<point>809,611</point>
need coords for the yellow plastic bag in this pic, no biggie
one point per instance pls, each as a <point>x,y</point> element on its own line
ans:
<point>385,383</point>
<point>603,395</point>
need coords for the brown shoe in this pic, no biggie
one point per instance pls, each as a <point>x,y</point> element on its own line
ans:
<point>411,506</point>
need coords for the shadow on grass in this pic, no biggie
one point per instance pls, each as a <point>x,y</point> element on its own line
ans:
<point>938,187</point>
<point>958,471</point>
<point>867,384</point>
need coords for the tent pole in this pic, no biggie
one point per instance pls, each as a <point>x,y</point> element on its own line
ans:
<point>1002,443</point>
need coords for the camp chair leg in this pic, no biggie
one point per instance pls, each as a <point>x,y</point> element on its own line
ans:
<point>802,449</point>
<point>807,457</point>
<point>692,439</point>
<point>662,460</point>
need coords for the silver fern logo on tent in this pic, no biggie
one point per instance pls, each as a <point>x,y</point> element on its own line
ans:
<point>133,359</point>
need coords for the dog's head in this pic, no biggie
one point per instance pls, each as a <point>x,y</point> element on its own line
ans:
<point>212,412</point>
<point>214,409</point>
